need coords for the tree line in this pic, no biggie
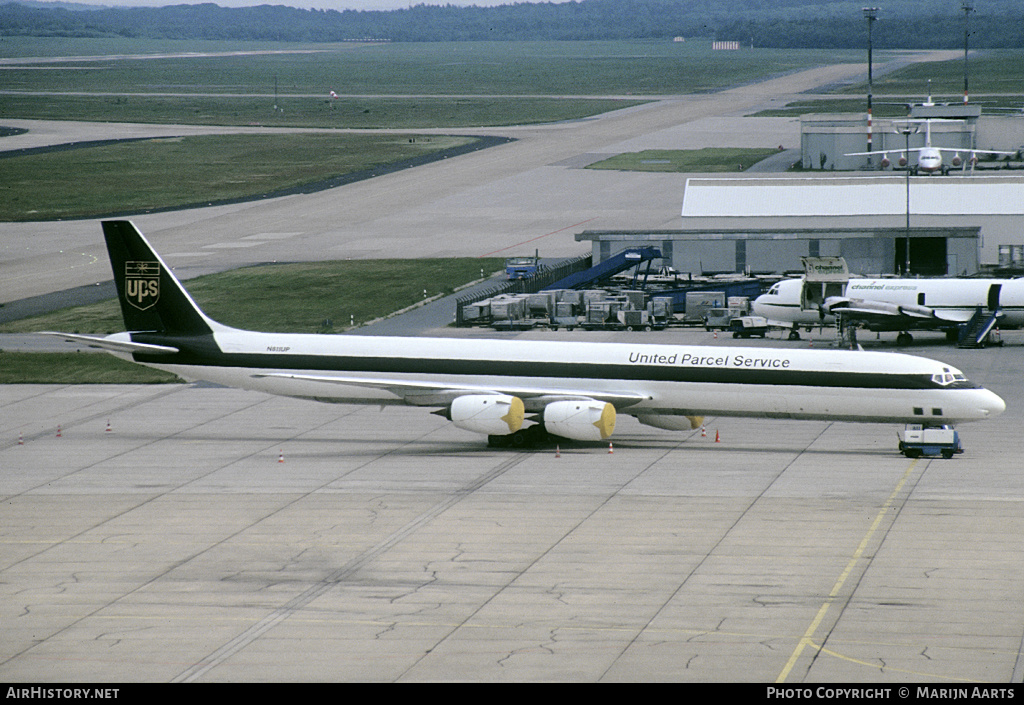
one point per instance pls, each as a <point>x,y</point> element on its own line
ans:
<point>788,23</point>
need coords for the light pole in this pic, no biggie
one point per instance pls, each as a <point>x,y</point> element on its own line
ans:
<point>870,14</point>
<point>907,130</point>
<point>968,7</point>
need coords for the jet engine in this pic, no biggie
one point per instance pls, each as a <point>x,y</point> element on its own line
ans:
<point>584,420</point>
<point>886,162</point>
<point>493,414</point>
<point>671,423</point>
<point>956,161</point>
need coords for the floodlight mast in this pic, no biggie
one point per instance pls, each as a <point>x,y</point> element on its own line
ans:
<point>968,8</point>
<point>870,14</point>
<point>907,130</point>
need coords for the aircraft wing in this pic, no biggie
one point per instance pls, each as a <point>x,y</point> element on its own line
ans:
<point>441,394</point>
<point>972,151</point>
<point>883,311</point>
<point>950,150</point>
<point>884,151</point>
<point>120,346</point>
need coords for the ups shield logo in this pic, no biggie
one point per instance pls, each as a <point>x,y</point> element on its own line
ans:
<point>142,284</point>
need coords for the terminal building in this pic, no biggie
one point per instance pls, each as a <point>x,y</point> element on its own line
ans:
<point>953,225</point>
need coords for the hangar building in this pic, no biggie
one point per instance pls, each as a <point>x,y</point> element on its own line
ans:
<point>826,139</point>
<point>957,225</point>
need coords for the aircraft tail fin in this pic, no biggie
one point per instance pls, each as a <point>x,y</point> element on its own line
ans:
<point>151,297</point>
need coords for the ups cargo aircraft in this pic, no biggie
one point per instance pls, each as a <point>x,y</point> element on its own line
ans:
<point>570,389</point>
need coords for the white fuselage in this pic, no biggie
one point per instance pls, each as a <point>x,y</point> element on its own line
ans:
<point>951,299</point>
<point>639,379</point>
<point>929,160</point>
<point>781,305</point>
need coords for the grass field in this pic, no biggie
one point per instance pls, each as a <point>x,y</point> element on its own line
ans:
<point>169,173</point>
<point>364,112</point>
<point>402,86</point>
<point>992,72</point>
<point>590,68</point>
<point>397,85</point>
<point>995,80</point>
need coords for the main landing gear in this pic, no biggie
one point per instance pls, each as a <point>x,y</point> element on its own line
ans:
<point>528,437</point>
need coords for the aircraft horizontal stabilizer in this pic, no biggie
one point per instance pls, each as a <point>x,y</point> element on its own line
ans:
<point>121,346</point>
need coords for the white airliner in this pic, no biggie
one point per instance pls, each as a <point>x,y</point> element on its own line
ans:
<point>899,305</point>
<point>929,158</point>
<point>493,387</point>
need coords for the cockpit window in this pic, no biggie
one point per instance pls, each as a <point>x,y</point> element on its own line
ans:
<point>947,378</point>
<point>774,291</point>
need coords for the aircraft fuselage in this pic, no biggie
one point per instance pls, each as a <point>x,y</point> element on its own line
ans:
<point>639,379</point>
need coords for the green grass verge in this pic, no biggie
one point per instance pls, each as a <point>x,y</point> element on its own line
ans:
<point>308,297</point>
<point>858,104</point>
<point>711,159</point>
<point>76,368</point>
<point>325,297</point>
<point>169,173</point>
<point>369,112</point>
<point>887,106</point>
<point>319,297</point>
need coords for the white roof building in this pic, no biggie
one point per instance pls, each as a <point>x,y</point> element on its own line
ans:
<point>957,224</point>
<point>992,204</point>
<point>854,197</point>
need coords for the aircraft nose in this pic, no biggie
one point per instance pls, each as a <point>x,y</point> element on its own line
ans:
<point>991,404</point>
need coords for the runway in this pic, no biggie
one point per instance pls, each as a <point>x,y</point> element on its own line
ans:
<point>189,533</point>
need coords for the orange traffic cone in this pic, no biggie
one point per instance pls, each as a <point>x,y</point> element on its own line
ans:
<point>58,431</point>
<point>21,440</point>
<point>716,436</point>
<point>610,449</point>
<point>280,458</point>
<point>558,452</point>
<point>703,431</point>
<point>109,429</point>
